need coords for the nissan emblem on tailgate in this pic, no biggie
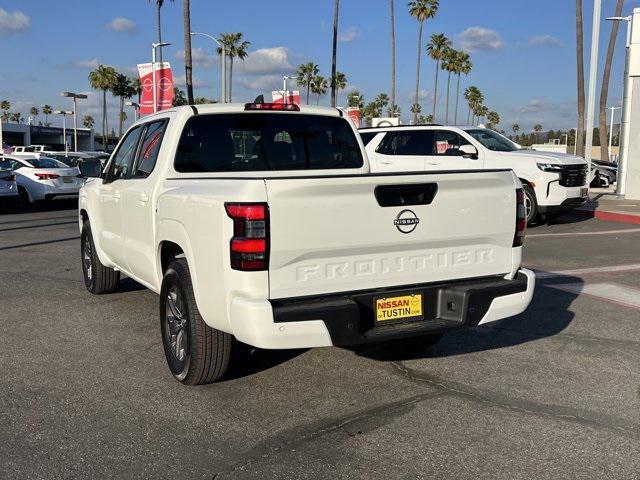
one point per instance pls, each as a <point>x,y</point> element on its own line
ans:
<point>406,221</point>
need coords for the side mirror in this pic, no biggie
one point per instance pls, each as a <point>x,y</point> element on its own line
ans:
<point>90,168</point>
<point>468,151</point>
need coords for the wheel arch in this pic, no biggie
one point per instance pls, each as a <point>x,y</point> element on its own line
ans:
<point>173,241</point>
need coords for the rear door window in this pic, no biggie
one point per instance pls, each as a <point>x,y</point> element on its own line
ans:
<point>415,142</point>
<point>150,148</point>
<point>448,143</point>
<point>266,141</point>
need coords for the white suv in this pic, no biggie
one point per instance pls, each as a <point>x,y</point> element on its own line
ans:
<point>554,183</point>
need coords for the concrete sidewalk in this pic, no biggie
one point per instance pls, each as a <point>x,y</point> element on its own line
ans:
<point>605,205</point>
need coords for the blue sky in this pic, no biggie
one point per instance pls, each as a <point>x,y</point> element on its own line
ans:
<point>523,51</point>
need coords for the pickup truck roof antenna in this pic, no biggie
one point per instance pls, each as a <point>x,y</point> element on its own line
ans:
<point>259,99</point>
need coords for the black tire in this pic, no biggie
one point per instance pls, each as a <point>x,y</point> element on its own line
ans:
<point>532,208</point>
<point>196,353</point>
<point>97,278</point>
<point>23,198</point>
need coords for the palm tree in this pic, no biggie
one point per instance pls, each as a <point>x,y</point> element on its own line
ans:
<point>580,65</point>
<point>334,52</point>
<point>393,55</point>
<point>103,78</point>
<point>421,10</point>
<point>122,88</point>
<point>604,89</point>
<point>436,48</point>
<point>235,47</point>
<point>137,86</point>
<point>450,65</point>
<point>493,119</point>
<point>188,64</point>
<point>319,86</point>
<point>179,97</point>
<point>474,98</point>
<point>159,4</point>
<point>88,121</point>
<point>5,105</point>
<point>464,67</point>
<point>305,74</point>
<point>33,111</point>
<point>515,128</point>
<point>17,117</point>
<point>46,111</point>
<point>339,82</point>
<point>354,99</point>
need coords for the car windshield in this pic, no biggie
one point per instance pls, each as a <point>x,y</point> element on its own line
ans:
<point>45,162</point>
<point>69,161</point>
<point>266,141</point>
<point>493,140</point>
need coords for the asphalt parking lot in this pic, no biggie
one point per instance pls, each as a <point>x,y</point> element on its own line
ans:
<point>553,393</point>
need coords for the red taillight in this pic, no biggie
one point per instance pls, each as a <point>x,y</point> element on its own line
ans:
<point>47,176</point>
<point>289,107</point>
<point>249,247</point>
<point>9,178</point>
<point>521,219</point>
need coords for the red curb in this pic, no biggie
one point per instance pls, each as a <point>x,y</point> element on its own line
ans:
<point>610,216</point>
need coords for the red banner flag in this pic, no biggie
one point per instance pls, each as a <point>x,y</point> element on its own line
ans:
<point>164,87</point>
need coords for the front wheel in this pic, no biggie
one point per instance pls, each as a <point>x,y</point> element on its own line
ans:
<point>195,353</point>
<point>530,204</point>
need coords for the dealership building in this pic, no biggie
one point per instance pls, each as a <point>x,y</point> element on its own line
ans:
<point>16,134</point>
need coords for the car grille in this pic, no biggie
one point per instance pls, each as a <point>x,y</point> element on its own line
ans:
<point>573,175</point>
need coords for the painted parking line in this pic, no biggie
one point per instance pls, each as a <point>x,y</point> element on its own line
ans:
<point>609,292</point>
<point>634,267</point>
<point>577,234</point>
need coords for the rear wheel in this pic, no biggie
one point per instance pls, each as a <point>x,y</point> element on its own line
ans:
<point>23,197</point>
<point>97,278</point>
<point>195,353</point>
<point>530,204</point>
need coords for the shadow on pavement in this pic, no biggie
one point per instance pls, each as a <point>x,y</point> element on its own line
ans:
<point>547,315</point>
<point>247,360</point>
<point>12,208</point>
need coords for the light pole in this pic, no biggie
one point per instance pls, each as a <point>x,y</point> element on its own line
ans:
<point>626,111</point>
<point>223,65</point>
<point>64,114</point>
<point>155,46</point>
<point>74,96</point>
<point>136,107</point>
<point>593,79</point>
<point>284,86</point>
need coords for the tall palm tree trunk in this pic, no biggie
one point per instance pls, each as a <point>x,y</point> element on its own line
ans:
<point>104,118</point>
<point>230,78</point>
<point>336,10</point>
<point>469,116</point>
<point>415,98</point>
<point>188,66</point>
<point>159,27</point>
<point>448,91</point>
<point>393,57</point>
<point>580,66</point>
<point>120,117</point>
<point>604,91</point>
<point>308,88</point>
<point>455,116</point>
<point>435,91</point>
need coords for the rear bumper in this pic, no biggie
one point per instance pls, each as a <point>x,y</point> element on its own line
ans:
<point>348,319</point>
<point>60,196</point>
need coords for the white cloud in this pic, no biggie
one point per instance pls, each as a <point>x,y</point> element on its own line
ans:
<point>14,22</point>
<point>121,24</point>
<point>180,81</point>
<point>349,34</point>
<point>544,40</point>
<point>265,83</point>
<point>265,61</point>
<point>533,106</point>
<point>199,57</point>
<point>91,63</point>
<point>478,39</point>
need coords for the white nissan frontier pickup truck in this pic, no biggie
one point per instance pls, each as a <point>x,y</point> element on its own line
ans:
<point>261,223</point>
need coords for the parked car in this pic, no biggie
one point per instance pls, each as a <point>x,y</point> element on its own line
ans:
<point>554,183</point>
<point>262,222</point>
<point>8,187</point>
<point>604,173</point>
<point>44,179</point>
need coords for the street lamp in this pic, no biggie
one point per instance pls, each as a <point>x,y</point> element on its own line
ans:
<point>223,65</point>
<point>136,108</point>
<point>155,46</point>
<point>284,86</point>
<point>64,114</point>
<point>74,96</point>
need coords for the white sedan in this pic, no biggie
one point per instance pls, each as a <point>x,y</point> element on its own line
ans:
<point>8,187</point>
<point>44,179</point>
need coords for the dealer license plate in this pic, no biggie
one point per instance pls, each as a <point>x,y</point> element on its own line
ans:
<point>584,192</point>
<point>398,308</point>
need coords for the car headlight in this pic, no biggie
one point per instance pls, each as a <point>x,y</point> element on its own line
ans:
<point>549,167</point>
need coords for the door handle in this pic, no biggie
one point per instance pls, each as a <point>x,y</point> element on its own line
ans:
<point>433,163</point>
<point>116,194</point>
<point>386,162</point>
<point>144,198</point>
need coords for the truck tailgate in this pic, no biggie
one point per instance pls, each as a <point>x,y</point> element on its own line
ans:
<point>333,234</point>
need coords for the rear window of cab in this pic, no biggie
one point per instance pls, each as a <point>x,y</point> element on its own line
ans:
<point>245,142</point>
